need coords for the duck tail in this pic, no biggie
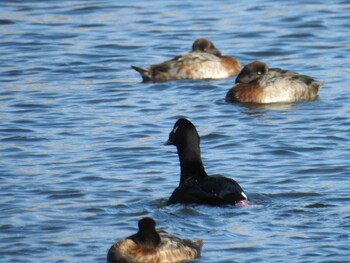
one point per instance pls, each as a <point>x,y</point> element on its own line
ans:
<point>316,86</point>
<point>144,73</point>
<point>195,245</point>
<point>198,246</point>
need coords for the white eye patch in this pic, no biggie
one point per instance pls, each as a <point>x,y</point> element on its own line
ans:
<point>175,129</point>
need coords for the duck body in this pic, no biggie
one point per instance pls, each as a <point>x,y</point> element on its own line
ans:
<point>204,62</point>
<point>151,246</point>
<point>256,83</point>
<point>211,190</point>
<point>196,187</point>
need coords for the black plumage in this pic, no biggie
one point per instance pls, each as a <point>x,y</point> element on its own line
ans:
<point>196,187</point>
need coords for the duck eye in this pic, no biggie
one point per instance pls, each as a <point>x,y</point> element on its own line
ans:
<point>259,73</point>
<point>175,129</point>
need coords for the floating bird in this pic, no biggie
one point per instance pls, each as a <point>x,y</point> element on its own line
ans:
<point>196,187</point>
<point>150,246</point>
<point>204,62</point>
<point>256,83</point>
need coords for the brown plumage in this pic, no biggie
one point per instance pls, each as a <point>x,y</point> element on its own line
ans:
<point>203,62</point>
<point>256,83</point>
<point>151,246</point>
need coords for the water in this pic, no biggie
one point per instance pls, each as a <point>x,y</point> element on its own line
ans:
<point>82,156</point>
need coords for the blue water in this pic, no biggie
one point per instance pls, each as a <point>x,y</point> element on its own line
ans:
<point>82,156</point>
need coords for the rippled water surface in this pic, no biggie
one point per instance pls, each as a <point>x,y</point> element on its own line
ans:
<point>82,156</point>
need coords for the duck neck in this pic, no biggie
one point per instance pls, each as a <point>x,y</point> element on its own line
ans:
<point>191,164</point>
<point>148,238</point>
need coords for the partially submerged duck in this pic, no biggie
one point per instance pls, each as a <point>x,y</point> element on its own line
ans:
<point>196,187</point>
<point>256,83</point>
<point>150,246</point>
<point>203,62</point>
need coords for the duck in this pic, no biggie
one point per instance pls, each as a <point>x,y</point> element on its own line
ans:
<point>257,83</point>
<point>205,61</point>
<point>149,245</point>
<point>196,187</point>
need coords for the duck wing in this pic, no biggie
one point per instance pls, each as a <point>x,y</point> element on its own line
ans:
<point>227,189</point>
<point>211,191</point>
<point>191,192</point>
<point>292,75</point>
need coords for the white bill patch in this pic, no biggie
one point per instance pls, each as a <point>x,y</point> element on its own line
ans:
<point>244,195</point>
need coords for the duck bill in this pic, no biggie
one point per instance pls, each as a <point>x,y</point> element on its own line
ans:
<point>168,142</point>
<point>216,52</point>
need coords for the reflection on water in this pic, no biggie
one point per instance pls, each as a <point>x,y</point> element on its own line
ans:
<point>268,106</point>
